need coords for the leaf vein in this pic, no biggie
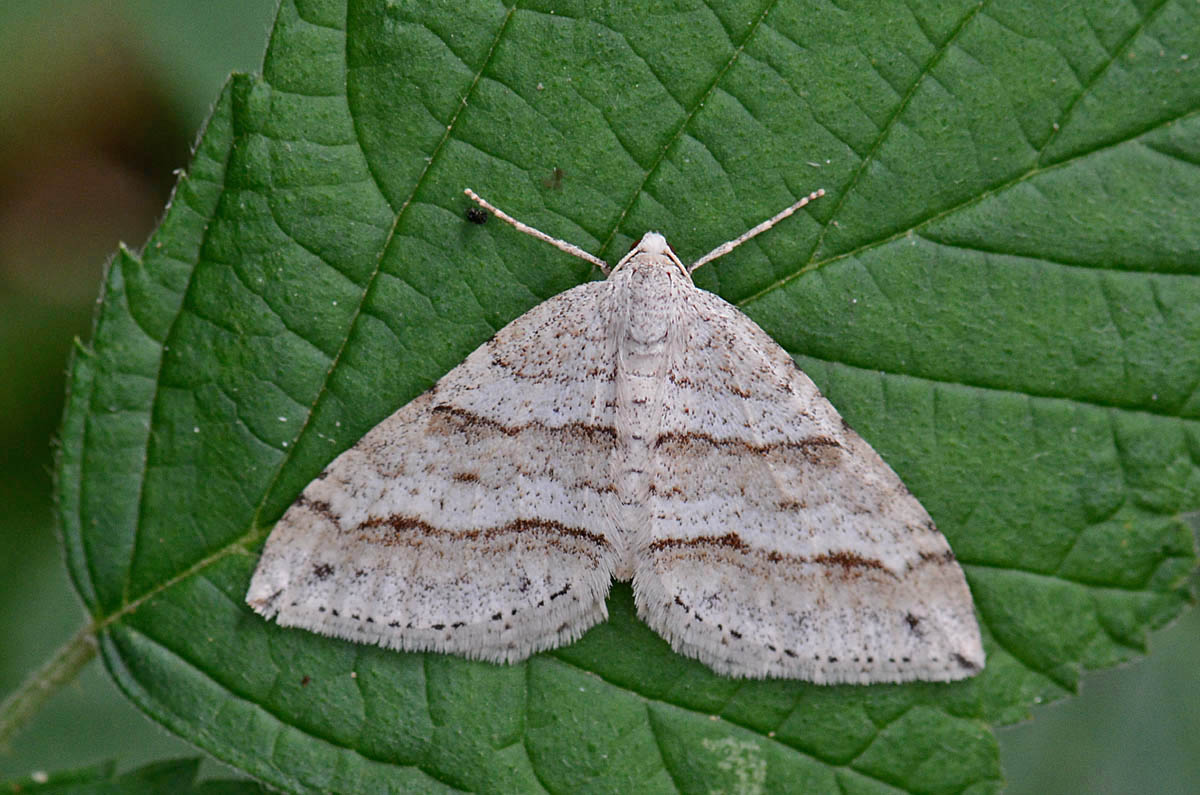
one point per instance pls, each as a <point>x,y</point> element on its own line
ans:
<point>1089,84</point>
<point>982,387</point>
<point>963,205</point>
<point>1154,275</point>
<point>683,124</point>
<point>652,724</point>
<point>384,247</point>
<point>926,71</point>
<point>283,723</point>
<point>814,757</point>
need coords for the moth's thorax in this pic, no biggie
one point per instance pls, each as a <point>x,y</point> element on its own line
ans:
<point>647,284</point>
<point>647,289</point>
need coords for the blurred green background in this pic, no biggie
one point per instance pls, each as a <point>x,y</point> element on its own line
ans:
<point>99,104</point>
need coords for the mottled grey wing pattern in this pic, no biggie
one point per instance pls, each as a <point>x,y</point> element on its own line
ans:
<point>473,520</point>
<point>780,543</point>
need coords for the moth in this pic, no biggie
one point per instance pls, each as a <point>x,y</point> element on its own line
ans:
<point>636,428</point>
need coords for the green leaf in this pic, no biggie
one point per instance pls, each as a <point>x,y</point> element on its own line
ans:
<point>176,776</point>
<point>1001,293</point>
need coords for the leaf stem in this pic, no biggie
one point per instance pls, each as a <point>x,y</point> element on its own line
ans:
<point>24,702</point>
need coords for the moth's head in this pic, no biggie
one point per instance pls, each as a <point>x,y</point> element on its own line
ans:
<point>652,243</point>
<point>652,249</point>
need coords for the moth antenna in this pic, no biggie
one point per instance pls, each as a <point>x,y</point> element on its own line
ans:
<point>561,245</point>
<point>725,248</point>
